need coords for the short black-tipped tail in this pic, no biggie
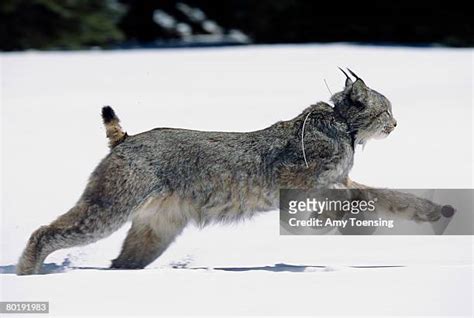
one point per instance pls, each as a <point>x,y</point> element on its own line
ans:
<point>108,114</point>
<point>112,126</point>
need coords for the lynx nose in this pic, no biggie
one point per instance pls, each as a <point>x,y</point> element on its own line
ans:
<point>394,123</point>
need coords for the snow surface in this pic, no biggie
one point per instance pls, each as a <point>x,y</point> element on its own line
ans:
<point>52,138</point>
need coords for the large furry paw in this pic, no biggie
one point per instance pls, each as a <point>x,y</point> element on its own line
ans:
<point>426,211</point>
<point>27,266</point>
<point>32,257</point>
<point>127,264</point>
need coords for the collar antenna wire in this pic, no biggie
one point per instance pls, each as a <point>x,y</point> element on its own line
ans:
<point>302,139</point>
<point>327,86</point>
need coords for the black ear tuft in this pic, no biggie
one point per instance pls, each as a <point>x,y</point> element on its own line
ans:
<point>348,79</point>
<point>355,75</point>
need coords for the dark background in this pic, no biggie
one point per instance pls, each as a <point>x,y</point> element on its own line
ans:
<point>76,24</point>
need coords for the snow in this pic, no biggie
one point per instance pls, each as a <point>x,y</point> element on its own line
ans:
<point>191,292</point>
<point>52,137</point>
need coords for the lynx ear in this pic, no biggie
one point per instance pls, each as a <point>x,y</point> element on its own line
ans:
<point>359,91</point>
<point>359,84</point>
<point>348,79</point>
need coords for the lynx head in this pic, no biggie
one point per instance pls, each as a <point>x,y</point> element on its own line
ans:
<point>367,112</point>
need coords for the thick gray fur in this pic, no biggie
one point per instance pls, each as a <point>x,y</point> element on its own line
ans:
<point>165,178</point>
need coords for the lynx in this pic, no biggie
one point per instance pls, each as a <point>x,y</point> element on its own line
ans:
<point>165,178</point>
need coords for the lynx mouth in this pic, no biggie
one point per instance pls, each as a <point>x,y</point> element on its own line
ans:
<point>382,135</point>
<point>387,130</point>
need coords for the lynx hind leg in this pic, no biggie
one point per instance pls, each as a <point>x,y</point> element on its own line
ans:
<point>154,228</point>
<point>107,203</point>
<point>83,224</point>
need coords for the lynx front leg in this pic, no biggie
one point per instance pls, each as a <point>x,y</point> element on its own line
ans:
<point>405,204</point>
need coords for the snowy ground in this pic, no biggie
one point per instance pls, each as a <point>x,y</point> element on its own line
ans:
<point>52,138</point>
